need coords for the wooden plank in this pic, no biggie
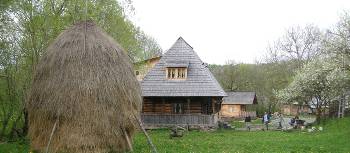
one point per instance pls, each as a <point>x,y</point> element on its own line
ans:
<point>188,106</point>
<point>169,119</point>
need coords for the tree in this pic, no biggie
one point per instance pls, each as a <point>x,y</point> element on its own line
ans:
<point>317,84</point>
<point>322,82</point>
<point>28,27</point>
<point>337,47</point>
<point>299,44</point>
<point>149,46</point>
<point>262,78</point>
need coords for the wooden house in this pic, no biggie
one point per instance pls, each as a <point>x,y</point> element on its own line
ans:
<point>180,90</point>
<point>143,67</point>
<point>239,105</point>
<point>296,109</point>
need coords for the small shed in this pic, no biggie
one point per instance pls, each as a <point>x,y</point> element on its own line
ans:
<point>239,105</point>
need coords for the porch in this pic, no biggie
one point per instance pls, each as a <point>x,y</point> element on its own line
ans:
<point>179,119</point>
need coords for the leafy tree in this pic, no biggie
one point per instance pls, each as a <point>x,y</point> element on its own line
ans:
<point>317,84</point>
<point>262,78</point>
<point>323,81</point>
<point>28,27</point>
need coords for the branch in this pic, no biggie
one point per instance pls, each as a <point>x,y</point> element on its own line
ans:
<point>59,11</point>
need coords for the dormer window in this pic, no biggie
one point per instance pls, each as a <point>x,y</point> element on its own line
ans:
<point>176,70</point>
<point>173,73</point>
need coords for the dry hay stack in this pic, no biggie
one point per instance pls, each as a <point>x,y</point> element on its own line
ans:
<point>85,81</point>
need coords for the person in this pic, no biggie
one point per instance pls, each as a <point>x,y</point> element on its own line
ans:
<point>247,121</point>
<point>280,120</point>
<point>296,117</point>
<point>266,120</point>
<point>292,121</point>
<point>297,121</point>
<point>269,115</point>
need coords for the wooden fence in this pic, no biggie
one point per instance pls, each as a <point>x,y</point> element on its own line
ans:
<point>179,119</point>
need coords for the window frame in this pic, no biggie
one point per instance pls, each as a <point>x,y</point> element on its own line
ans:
<point>176,73</point>
<point>178,108</point>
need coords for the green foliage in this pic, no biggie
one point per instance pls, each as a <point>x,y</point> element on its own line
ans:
<point>44,20</point>
<point>28,27</point>
<point>263,78</point>
<point>327,77</point>
<point>19,146</point>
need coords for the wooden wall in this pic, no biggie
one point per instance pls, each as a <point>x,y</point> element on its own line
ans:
<point>191,105</point>
<point>179,119</point>
<point>237,111</point>
<point>290,109</point>
<point>144,67</point>
<point>230,110</point>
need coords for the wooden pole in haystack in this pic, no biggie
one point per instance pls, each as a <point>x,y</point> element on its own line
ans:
<point>149,141</point>
<point>52,132</point>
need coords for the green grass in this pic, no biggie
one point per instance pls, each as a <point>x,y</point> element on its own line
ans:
<point>241,124</point>
<point>20,146</point>
<point>334,138</point>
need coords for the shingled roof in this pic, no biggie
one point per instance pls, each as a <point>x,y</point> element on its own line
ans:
<point>240,98</point>
<point>199,81</point>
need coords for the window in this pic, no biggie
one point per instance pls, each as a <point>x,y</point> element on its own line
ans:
<point>176,73</point>
<point>231,109</point>
<point>137,72</point>
<point>178,108</point>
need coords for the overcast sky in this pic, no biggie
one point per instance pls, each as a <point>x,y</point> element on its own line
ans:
<point>239,30</point>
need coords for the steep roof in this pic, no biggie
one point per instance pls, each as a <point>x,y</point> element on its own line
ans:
<point>240,98</point>
<point>199,81</point>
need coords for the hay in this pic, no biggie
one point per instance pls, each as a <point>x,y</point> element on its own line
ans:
<point>91,90</point>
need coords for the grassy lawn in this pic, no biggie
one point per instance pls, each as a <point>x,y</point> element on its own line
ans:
<point>20,146</point>
<point>241,124</point>
<point>334,138</point>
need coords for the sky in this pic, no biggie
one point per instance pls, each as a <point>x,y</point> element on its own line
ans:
<point>225,30</point>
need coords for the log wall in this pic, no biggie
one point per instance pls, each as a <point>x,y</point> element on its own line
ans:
<point>179,119</point>
<point>165,105</point>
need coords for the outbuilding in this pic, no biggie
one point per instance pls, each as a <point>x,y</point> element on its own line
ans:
<point>239,105</point>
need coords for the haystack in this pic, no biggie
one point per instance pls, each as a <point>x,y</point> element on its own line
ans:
<point>85,84</point>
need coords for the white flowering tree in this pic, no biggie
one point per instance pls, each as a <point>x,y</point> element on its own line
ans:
<point>327,76</point>
<point>322,80</point>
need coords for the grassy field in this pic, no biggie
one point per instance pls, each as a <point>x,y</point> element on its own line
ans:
<point>334,138</point>
<point>241,124</point>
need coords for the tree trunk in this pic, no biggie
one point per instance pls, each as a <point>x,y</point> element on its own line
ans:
<point>26,125</point>
<point>14,129</point>
<point>318,115</point>
<point>4,126</point>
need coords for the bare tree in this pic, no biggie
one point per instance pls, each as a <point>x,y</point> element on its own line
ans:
<point>299,44</point>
